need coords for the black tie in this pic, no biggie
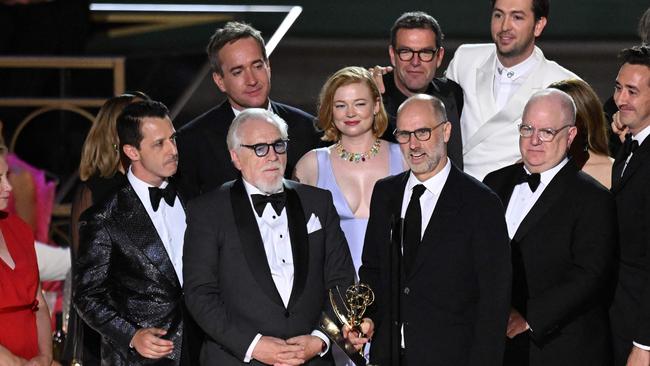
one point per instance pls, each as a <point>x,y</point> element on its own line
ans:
<point>277,200</point>
<point>168,193</point>
<point>532,179</point>
<point>412,227</point>
<point>630,145</point>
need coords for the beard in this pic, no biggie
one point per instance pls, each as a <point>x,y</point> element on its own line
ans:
<point>272,185</point>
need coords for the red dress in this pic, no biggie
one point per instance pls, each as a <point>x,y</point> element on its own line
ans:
<point>18,288</point>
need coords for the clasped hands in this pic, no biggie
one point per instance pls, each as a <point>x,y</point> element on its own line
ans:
<point>359,340</point>
<point>293,351</point>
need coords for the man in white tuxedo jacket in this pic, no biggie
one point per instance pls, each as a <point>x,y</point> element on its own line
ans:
<point>498,79</point>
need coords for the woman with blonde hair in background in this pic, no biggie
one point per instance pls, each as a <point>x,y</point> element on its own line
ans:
<point>589,148</point>
<point>352,115</point>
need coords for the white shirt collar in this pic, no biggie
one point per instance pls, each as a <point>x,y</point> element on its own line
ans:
<point>433,184</point>
<point>518,70</point>
<point>547,176</point>
<point>251,189</point>
<point>237,111</point>
<point>642,135</point>
<point>141,187</point>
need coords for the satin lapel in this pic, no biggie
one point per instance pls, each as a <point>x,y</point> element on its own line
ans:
<point>299,242</point>
<point>137,225</point>
<point>617,168</point>
<point>484,88</point>
<point>639,157</point>
<point>548,198</point>
<point>446,211</point>
<point>507,186</point>
<point>251,240</point>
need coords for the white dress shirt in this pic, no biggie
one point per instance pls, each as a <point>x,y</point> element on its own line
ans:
<point>428,201</point>
<point>169,222</point>
<point>274,230</point>
<point>508,80</point>
<point>237,111</point>
<point>523,198</point>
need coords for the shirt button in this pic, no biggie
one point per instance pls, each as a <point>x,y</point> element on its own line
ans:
<point>273,217</point>
<point>281,236</point>
<point>406,290</point>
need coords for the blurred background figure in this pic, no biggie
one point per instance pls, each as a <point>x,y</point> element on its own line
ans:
<point>101,173</point>
<point>25,334</point>
<point>351,114</point>
<point>589,149</point>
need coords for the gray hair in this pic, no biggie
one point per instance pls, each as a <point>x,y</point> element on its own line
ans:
<point>254,114</point>
<point>436,104</point>
<point>566,104</point>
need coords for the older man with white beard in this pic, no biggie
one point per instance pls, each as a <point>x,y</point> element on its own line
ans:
<point>261,253</point>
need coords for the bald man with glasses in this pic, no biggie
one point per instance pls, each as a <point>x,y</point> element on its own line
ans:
<point>562,228</point>
<point>261,253</point>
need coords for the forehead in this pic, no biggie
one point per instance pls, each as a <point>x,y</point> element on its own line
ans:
<point>416,114</point>
<point>415,37</point>
<point>242,51</point>
<point>636,75</point>
<point>156,127</point>
<point>257,130</point>
<point>514,5</point>
<point>544,113</point>
<point>353,89</point>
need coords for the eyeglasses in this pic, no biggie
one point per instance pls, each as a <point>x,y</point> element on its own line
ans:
<point>421,134</point>
<point>262,149</point>
<point>425,55</point>
<point>544,134</point>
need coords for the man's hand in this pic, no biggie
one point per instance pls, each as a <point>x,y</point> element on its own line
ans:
<point>618,127</point>
<point>367,328</point>
<point>40,361</point>
<point>148,343</point>
<point>638,357</point>
<point>377,75</point>
<point>516,324</point>
<point>311,346</point>
<point>276,351</point>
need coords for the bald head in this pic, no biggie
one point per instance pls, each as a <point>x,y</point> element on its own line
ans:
<point>558,99</point>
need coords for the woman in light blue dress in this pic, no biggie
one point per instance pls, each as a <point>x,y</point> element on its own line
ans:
<point>352,116</point>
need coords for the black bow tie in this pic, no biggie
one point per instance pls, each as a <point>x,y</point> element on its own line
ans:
<point>168,193</point>
<point>630,145</point>
<point>532,179</point>
<point>277,200</point>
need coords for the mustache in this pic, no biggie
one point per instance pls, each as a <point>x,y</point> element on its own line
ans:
<point>173,159</point>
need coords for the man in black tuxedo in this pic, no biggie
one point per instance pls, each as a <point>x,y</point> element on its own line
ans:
<point>630,312</point>
<point>442,296</point>
<point>261,253</point>
<point>416,52</point>
<point>242,71</point>
<point>563,238</point>
<point>129,278</point>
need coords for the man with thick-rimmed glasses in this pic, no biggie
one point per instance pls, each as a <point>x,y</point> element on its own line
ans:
<point>416,52</point>
<point>442,288</point>
<point>261,253</point>
<point>562,228</point>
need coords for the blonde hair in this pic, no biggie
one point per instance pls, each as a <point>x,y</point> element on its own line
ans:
<point>346,76</point>
<point>100,154</point>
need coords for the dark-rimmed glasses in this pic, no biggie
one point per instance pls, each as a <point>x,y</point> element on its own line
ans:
<point>262,149</point>
<point>421,134</point>
<point>425,55</point>
<point>544,134</point>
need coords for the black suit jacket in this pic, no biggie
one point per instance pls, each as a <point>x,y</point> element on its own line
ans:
<point>204,160</point>
<point>630,312</point>
<point>563,256</point>
<point>125,280</point>
<point>446,90</point>
<point>454,304</point>
<point>228,284</point>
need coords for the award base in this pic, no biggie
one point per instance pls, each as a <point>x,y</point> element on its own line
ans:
<point>333,332</point>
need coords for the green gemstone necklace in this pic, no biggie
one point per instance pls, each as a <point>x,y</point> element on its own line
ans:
<point>357,157</point>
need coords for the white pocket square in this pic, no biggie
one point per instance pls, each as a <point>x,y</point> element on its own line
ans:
<point>313,224</point>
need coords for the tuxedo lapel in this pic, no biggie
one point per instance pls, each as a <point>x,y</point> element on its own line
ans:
<point>251,240</point>
<point>137,225</point>
<point>484,87</point>
<point>299,242</point>
<point>507,185</point>
<point>446,211</point>
<point>549,197</point>
<point>638,158</point>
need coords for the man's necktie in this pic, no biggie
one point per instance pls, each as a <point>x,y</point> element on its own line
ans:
<point>168,193</point>
<point>532,179</point>
<point>277,200</point>
<point>412,227</point>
